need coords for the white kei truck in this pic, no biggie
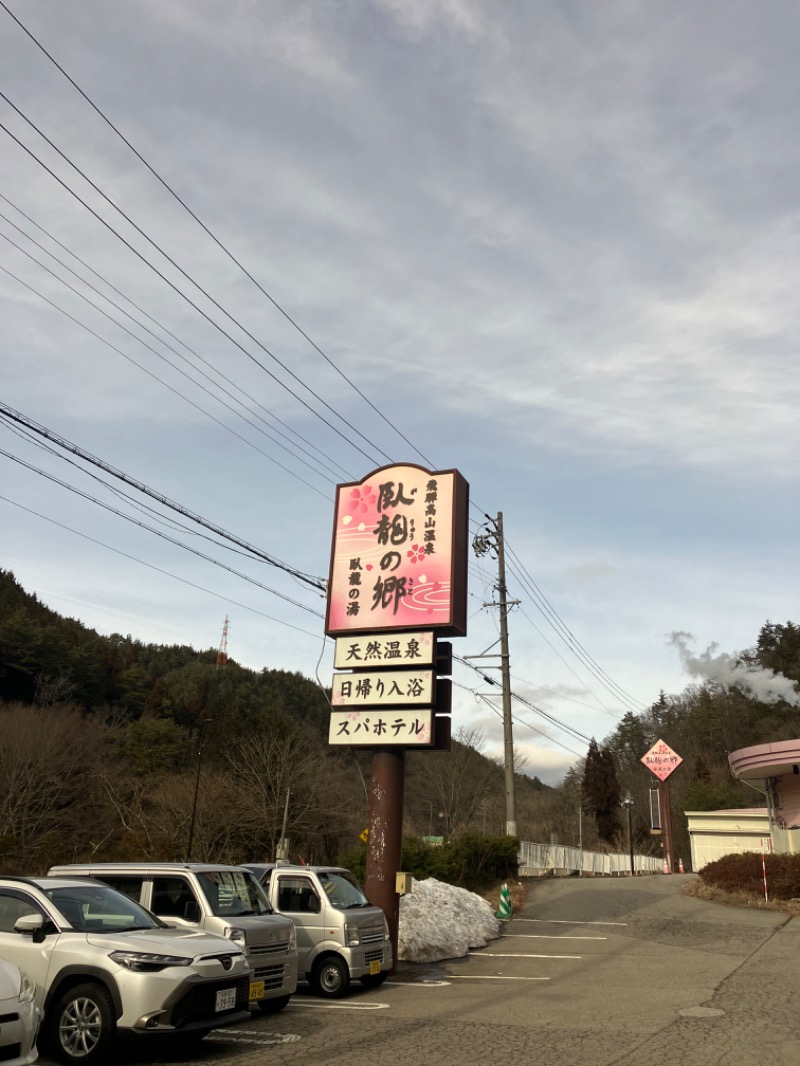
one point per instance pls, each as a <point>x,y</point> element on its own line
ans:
<point>341,936</point>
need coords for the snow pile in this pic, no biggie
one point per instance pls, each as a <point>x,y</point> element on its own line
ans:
<point>439,921</point>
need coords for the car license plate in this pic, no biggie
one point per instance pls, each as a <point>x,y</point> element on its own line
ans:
<point>226,999</point>
<point>374,967</point>
<point>256,990</point>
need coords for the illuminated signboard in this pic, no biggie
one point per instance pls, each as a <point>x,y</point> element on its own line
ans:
<point>399,553</point>
<point>661,760</point>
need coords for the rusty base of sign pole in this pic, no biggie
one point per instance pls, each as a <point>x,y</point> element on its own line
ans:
<point>385,841</point>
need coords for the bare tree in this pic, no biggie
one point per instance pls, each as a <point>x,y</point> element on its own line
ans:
<point>47,790</point>
<point>270,766</point>
<point>451,788</point>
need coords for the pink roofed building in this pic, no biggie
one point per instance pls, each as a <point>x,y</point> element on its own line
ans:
<point>774,769</point>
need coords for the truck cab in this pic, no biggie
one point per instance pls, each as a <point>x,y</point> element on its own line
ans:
<point>341,936</point>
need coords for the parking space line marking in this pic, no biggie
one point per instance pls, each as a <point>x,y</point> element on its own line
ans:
<point>336,1006</point>
<point>492,977</point>
<point>519,955</point>
<point>547,936</point>
<point>563,921</point>
<point>252,1036</point>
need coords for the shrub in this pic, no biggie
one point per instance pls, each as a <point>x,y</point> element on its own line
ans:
<point>471,861</point>
<point>745,873</point>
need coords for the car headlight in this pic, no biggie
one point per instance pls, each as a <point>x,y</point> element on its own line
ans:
<point>147,962</point>
<point>234,934</point>
<point>351,935</point>
<point>385,928</point>
<point>27,988</point>
<point>292,939</point>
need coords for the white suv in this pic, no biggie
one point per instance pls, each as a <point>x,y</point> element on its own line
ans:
<point>102,964</point>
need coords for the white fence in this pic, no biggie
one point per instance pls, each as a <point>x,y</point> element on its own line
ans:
<point>538,859</point>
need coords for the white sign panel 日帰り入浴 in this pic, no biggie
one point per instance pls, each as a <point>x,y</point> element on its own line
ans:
<point>385,649</point>
<point>384,688</point>
<point>399,553</point>
<point>376,728</point>
<point>661,760</point>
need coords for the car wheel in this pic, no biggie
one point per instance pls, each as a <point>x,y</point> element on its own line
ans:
<point>372,980</point>
<point>82,1026</point>
<point>330,977</point>
<point>272,1006</point>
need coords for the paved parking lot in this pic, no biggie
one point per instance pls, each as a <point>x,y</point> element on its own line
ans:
<point>625,972</point>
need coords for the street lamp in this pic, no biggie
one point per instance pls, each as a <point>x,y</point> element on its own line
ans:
<point>627,803</point>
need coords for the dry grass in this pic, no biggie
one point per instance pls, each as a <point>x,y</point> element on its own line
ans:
<point>698,890</point>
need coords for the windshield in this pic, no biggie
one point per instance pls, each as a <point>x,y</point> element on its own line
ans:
<point>342,890</point>
<point>100,909</point>
<point>233,892</point>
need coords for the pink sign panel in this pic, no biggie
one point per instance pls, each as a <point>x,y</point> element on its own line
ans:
<point>399,553</point>
<point>661,760</point>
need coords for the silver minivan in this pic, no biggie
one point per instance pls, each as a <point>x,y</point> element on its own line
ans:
<point>226,900</point>
<point>340,935</point>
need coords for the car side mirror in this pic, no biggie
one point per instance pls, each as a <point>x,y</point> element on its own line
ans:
<point>31,925</point>
<point>314,905</point>
<point>191,912</point>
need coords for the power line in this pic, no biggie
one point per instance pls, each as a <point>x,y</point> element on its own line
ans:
<point>158,569</point>
<point>213,237</point>
<point>155,377</point>
<point>175,288</point>
<point>564,633</point>
<point>160,355</point>
<point>160,340</point>
<point>520,721</point>
<point>537,710</point>
<point>164,536</point>
<point>15,416</point>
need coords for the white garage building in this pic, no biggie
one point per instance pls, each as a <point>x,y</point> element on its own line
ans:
<point>717,833</point>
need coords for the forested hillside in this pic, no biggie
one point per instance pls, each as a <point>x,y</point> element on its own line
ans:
<point>101,739</point>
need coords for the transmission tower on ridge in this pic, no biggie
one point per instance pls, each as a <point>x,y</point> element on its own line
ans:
<point>222,654</point>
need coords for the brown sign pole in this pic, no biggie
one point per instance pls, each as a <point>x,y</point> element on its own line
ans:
<point>385,840</point>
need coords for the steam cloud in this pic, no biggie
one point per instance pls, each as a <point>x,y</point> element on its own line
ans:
<point>760,683</point>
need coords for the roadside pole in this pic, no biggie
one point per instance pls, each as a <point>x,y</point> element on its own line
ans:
<point>385,840</point>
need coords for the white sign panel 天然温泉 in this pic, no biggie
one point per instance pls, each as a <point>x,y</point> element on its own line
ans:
<point>385,649</point>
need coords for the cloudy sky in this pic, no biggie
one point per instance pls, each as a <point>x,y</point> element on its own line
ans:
<point>553,245</point>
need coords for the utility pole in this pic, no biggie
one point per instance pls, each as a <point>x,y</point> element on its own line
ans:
<point>505,673</point>
<point>493,541</point>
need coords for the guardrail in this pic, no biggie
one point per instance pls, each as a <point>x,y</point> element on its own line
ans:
<point>536,860</point>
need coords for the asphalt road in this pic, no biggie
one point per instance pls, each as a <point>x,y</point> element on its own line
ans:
<point>611,972</point>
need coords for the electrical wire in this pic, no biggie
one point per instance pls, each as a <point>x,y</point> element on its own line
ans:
<point>158,569</point>
<point>160,355</point>
<point>9,414</point>
<point>213,236</point>
<point>164,536</point>
<point>567,635</point>
<point>155,377</point>
<point>174,287</point>
<point>163,328</point>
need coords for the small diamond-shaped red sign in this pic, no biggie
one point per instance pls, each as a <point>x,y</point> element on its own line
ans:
<point>661,760</point>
